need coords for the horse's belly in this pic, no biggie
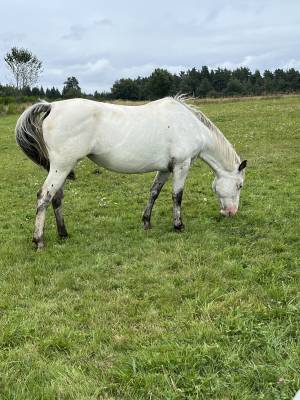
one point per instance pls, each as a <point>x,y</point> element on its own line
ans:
<point>129,164</point>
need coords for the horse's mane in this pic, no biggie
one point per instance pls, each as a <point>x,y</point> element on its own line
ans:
<point>223,147</point>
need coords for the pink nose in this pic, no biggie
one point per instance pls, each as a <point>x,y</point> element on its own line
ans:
<point>229,212</point>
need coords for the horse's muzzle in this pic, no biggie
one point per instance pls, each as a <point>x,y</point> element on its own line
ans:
<point>228,212</point>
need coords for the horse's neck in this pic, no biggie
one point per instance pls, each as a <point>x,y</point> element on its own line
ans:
<point>213,163</point>
<point>222,160</point>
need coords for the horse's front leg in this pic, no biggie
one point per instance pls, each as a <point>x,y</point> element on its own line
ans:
<point>52,184</point>
<point>158,183</point>
<point>180,172</point>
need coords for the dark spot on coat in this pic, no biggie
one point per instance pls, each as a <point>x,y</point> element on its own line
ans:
<point>56,202</point>
<point>154,194</point>
<point>171,164</point>
<point>40,208</point>
<point>71,176</point>
<point>47,198</point>
<point>177,197</point>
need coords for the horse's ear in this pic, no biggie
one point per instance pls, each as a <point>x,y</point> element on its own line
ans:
<point>242,165</point>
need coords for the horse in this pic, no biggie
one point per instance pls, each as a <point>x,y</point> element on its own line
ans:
<point>165,136</point>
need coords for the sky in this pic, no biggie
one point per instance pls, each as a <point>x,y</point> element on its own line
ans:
<point>102,41</point>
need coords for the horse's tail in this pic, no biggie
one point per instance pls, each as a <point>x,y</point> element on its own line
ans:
<point>29,133</point>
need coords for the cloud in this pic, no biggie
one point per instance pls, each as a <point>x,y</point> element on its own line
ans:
<point>147,69</point>
<point>103,22</point>
<point>94,67</point>
<point>87,72</point>
<point>250,61</point>
<point>76,33</point>
<point>9,40</point>
<point>100,74</point>
<point>292,63</point>
<point>110,40</point>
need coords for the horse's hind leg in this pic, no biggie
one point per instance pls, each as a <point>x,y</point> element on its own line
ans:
<point>159,181</point>
<point>52,184</point>
<point>57,208</point>
<point>180,172</point>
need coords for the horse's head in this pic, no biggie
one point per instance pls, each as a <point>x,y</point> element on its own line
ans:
<point>228,188</point>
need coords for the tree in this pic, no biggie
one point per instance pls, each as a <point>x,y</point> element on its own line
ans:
<point>280,80</point>
<point>257,83</point>
<point>234,87</point>
<point>205,74</point>
<point>292,79</point>
<point>190,81</point>
<point>53,93</point>
<point>71,88</point>
<point>221,78</point>
<point>243,74</point>
<point>42,92</point>
<point>25,67</point>
<point>26,91</point>
<point>160,84</point>
<point>269,84</point>
<point>102,95</point>
<point>204,88</point>
<point>126,89</point>
<point>35,92</point>
<point>143,85</point>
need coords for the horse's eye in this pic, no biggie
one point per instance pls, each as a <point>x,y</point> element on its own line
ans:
<point>239,186</point>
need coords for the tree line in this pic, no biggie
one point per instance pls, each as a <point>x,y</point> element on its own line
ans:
<point>207,82</point>
<point>203,82</point>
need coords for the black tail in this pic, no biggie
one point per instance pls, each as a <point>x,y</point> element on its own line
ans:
<point>29,134</point>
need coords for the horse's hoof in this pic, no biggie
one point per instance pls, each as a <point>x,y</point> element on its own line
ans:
<point>39,246</point>
<point>63,235</point>
<point>147,225</point>
<point>39,243</point>
<point>179,228</point>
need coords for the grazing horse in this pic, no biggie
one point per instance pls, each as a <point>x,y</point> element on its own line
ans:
<point>166,136</point>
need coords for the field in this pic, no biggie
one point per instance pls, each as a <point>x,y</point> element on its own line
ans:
<point>115,312</point>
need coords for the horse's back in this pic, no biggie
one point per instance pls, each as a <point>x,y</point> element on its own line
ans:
<point>124,138</point>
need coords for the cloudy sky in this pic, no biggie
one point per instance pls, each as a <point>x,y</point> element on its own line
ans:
<point>101,41</point>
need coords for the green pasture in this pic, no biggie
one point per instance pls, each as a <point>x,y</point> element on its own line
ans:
<point>118,313</point>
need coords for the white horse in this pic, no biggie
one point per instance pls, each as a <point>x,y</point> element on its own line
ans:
<point>165,136</point>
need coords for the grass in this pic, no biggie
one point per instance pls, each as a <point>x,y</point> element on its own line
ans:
<point>118,313</point>
<point>12,108</point>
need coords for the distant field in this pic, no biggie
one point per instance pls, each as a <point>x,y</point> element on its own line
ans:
<point>118,313</point>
